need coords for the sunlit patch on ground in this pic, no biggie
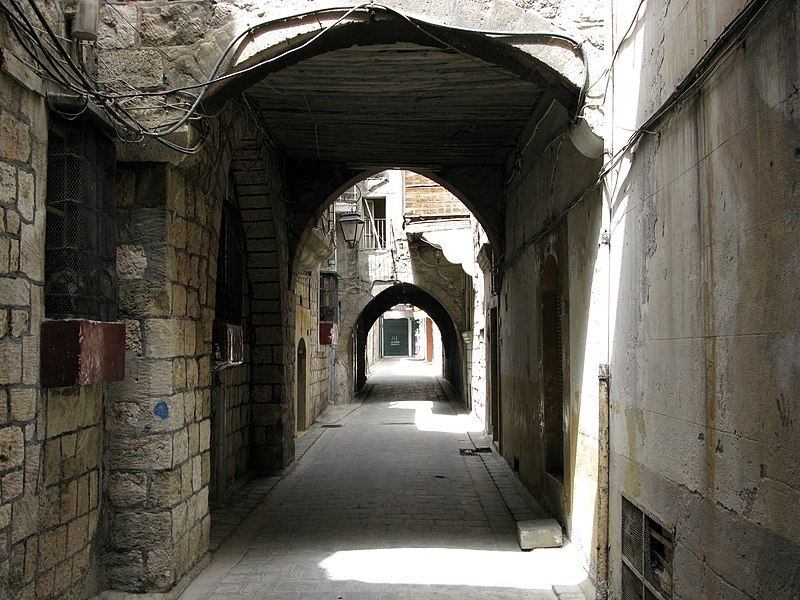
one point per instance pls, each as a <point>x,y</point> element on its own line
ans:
<point>540,569</point>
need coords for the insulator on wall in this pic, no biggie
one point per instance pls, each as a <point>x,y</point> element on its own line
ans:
<point>84,27</point>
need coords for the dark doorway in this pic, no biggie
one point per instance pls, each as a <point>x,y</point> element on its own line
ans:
<point>494,378</point>
<point>301,386</point>
<point>552,369</point>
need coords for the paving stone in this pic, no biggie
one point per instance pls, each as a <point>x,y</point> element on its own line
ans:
<point>375,511</point>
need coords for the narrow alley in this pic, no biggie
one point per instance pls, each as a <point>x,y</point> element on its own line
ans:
<point>272,273</point>
<point>381,504</point>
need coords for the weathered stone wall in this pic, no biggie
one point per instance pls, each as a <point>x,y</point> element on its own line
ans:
<point>233,385</point>
<point>477,358</point>
<point>261,193</point>
<point>69,506</point>
<point>317,355</point>
<point>373,346</point>
<point>50,441</point>
<point>441,279</point>
<point>158,419</point>
<point>319,359</point>
<point>549,213</point>
<point>169,221</point>
<point>705,374</point>
<point>231,395</point>
<point>23,152</point>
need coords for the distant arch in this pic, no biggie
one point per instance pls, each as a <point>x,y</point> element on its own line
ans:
<point>407,293</point>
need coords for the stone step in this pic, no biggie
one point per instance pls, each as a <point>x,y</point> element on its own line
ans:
<point>539,533</point>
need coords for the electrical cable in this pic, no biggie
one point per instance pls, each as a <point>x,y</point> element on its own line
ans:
<point>57,43</point>
<point>709,63</point>
<point>20,25</point>
<point>63,70</point>
<point>608,71</point>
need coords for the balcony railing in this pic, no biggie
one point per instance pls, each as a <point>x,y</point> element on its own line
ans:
<point>374,237</point>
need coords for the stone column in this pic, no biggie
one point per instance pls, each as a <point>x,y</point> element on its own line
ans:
<point>158,417</point>
<point>261,197</point>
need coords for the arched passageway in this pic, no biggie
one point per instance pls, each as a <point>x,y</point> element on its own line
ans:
<point>406,293</point>
<point>670,271</point>
<point>335,102</point>
<point>306,106</point>
<point>343,94</point>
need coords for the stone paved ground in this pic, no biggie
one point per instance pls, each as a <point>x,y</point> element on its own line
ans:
<point>382,505</point>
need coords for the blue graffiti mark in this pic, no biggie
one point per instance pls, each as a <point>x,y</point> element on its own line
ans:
<point>161,410</point>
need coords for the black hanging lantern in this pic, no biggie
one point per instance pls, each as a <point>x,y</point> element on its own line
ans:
<point>352,226</point>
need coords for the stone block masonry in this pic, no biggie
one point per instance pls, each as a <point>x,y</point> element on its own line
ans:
<point>230,415</point>
<point>260,194</point>
<point>233,385</point>
<point>51,442</point>
<point>158,418</point>
<point>164,418</point>
<point>424,198</point>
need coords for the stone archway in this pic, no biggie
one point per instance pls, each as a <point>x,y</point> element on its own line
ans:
<point>324,87</point>
<point>261,191</point>
<point>407,293</point>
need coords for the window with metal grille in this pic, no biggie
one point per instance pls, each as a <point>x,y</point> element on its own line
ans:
<point>80,238</point>
<point>647,550</point>
<point>230,265</point>
<point>328,298</point>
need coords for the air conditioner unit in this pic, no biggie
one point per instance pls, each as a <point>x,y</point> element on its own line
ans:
<point>227,344</point>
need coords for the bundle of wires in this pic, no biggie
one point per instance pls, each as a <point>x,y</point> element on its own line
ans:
<point>53,61</point>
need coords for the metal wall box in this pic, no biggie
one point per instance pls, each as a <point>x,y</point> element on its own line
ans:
<point>81,352</point>
<point>228,343</point>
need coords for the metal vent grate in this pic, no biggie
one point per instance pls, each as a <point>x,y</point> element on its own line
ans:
<point>658,554</point>
<point>632,534</point>
<point>631,585</point>
<point>80,236</point>
<point>647,550</point>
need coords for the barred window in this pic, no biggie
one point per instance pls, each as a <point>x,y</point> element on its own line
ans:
<point>80,238</point>
<point>328,298</point>
<point>230,265</point>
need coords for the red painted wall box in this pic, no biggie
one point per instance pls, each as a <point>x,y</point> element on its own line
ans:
<point>327,333</point>
<point>82,352</point>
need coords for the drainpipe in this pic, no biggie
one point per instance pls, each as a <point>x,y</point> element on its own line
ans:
<point>603,479</point>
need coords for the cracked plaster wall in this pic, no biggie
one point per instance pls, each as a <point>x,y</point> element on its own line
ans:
<point>704,435</point>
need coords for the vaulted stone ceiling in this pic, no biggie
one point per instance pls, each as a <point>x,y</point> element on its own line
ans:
<point>387,91</point>
<point>396,105</point>
<point>345,99</point>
